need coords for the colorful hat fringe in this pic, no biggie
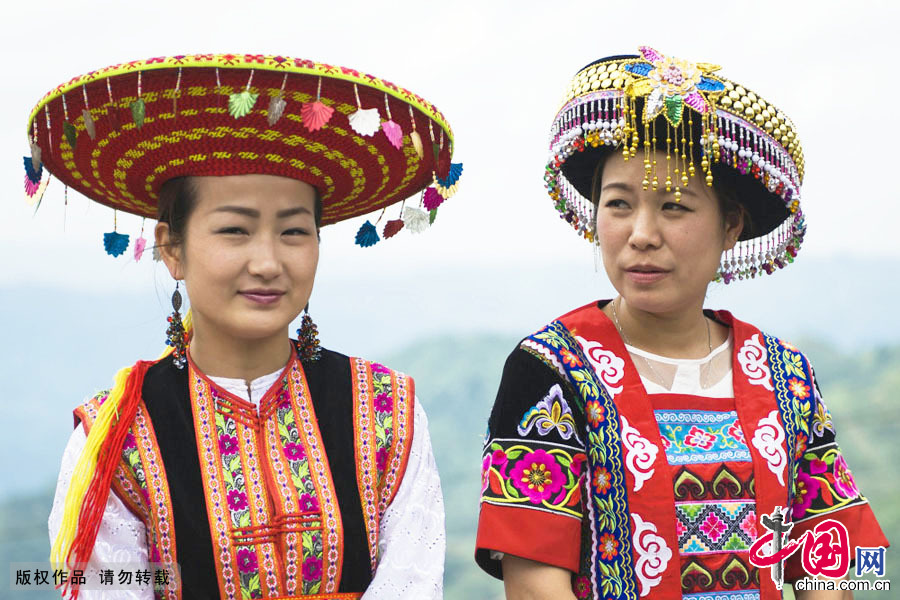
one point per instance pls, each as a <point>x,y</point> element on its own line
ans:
<point>619,102</point>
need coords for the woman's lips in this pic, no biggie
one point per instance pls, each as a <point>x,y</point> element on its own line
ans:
<point>262,297</point>
<point>645,277</point>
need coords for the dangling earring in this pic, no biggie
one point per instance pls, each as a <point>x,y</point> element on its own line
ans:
<point>308,338</point>
<point>175,335</point>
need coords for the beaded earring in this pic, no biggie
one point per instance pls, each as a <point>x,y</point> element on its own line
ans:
<point>308,338</point>
<point>175,334</point>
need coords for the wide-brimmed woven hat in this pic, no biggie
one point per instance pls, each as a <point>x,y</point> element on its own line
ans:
<point>117,134</point>
<point>709,127</point>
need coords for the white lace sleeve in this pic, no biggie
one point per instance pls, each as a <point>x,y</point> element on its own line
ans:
<point>412,540</point>
<point>121,538</point>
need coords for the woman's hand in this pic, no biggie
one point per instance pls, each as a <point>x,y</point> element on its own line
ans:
<point>526,579</point>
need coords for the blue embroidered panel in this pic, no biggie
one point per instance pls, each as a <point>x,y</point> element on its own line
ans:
<point>701,436</point>
<point>608,504</point>
<point>792,379</point>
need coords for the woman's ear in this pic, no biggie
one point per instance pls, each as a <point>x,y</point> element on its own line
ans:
<point>734,225</point>
<point>169,251</point>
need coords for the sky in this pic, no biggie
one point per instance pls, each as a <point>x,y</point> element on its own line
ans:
<point>497,259</point>
<point>497,71</point>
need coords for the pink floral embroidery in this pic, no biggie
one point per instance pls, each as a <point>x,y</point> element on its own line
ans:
<point>697,438</point>
<point>227,444</point>
<point>807,490</point>
<point>382,403</point>
<point>294,451</point>
<point>308,503</point>
<point>538,476</point>
<point>247,562</point>
<point>735,431</point>
<point>237,500</point>
<point>312,568</point>
<point>843,479</point>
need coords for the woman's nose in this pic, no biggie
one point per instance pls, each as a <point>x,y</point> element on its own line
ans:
<point>264,259</point>
<point>645,232</point>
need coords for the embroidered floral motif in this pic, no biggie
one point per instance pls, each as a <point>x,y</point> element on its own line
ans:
<point>640,454</point>
<point>653,554</point>
<point>769,440</point>
<point>608,512</point>
<point>551,413</point>
<point>234,479</point>
<point>752,358</point>
<point>594,412</point>
<point>800,389</point>
<point>545,477</point>
<point>699,436</point>
<point>299,469</point>
<point>602,481</point>
<point>609,367</point>
<point>608,547</point>
<point>824,484</point>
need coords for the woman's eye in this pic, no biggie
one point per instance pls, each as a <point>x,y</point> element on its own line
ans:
<point>616,204</point>
<point>676,206</point>
<point>232,231</point>
<point>296,231</point>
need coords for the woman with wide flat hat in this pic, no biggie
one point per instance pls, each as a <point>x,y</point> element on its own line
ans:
<point>263,466</point>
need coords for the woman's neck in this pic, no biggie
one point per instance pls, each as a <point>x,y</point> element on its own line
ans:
<point>686,333</point>
<point>222,356</point>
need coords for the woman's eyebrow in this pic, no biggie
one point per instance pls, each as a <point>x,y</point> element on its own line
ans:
<point>617,185</point>
<point>253,213</point>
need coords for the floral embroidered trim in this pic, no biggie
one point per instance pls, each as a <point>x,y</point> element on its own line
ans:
<point>824,484</point>
<point>158,490</point>
<point>769,440</point>
<point>752,358</point>
<point>551,413</point>
<point>700,436</point>
<point>705,527</point>
<point>204,419</point>
<point>611,574</point>
<point>792,377</point>
<point>330,567</point>
<point>236,444</point>
<point>402,433</point>
<point>364,444</point>
<point>652,554</point>
<point>280,452</point>
<point>640,453</point>
<point>539,475</point>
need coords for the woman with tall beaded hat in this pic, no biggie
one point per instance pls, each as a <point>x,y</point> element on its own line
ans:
<point>643,446</point>
<point>263,466</point>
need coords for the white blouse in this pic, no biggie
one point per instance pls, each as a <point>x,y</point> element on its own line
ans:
<point>411,539</point>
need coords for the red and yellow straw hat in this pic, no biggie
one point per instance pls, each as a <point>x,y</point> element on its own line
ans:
<point>117,134</point>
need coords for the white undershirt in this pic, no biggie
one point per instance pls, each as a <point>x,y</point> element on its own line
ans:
<point>690,373</point>
<point>411,538</point>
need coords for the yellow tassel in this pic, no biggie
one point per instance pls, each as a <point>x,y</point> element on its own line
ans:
<point>87,461</point>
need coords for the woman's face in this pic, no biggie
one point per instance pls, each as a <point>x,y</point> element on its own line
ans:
<point>249,254</point>
<point>659,254</point>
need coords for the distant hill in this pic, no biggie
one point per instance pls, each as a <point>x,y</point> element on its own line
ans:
<point>456,381</point>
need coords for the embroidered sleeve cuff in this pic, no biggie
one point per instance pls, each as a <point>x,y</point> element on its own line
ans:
<point>532,534</point>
